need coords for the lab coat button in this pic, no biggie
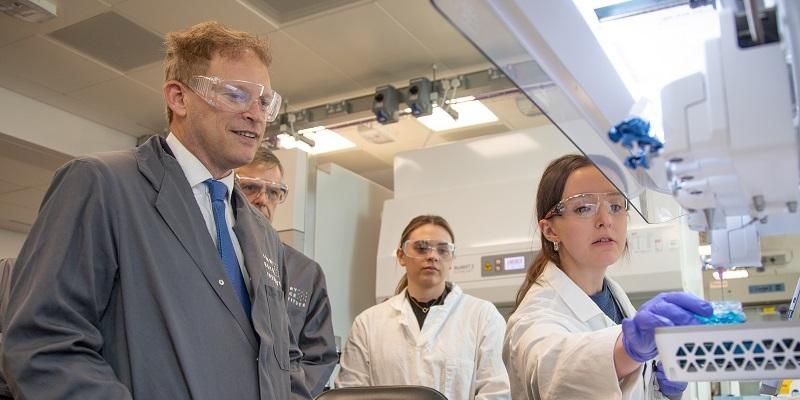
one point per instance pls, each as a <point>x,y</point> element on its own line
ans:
<point>221,282</point>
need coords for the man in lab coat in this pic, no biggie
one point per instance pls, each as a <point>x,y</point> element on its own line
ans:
<point>147,274</point>
<point>304,280</point>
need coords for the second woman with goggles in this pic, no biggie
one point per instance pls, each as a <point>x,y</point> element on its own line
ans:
<point>430,333</point>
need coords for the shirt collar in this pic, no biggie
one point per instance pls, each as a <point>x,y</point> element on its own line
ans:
<point>196,173</point>
<point>397,301</point>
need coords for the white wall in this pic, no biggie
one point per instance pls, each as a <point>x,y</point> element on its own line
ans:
<point>10,243</point>
<point>291,214</point>
<point>348,210</point>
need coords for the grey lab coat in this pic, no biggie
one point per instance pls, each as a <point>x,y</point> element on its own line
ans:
<point>310,318</point>
<point>119,292</point>
<point>6,264</point>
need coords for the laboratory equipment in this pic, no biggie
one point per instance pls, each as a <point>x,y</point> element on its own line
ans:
<point>725,312</point>
<point>718,86</point>
<point>386,104</point>
<point>486,189</point>
<point>421,97</point>
<point>766,350</point>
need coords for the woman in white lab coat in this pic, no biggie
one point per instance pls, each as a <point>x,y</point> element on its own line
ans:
<point>430,333</point>
<point>573,334</point>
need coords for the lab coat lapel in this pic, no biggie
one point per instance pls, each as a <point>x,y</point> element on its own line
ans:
<point>249,226</point>
<point>177,206</point>
<point>622,299</point>
<point>405,316</point>
<point>575,298</point>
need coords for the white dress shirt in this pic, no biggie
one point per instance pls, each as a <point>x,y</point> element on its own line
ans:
<point>197,173</point>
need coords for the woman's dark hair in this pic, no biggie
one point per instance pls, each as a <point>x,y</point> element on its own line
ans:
<point>415,223</point>
<point>549,193</point>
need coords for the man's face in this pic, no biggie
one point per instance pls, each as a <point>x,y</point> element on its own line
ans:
<point>224,140</point>
<point>269,173</point>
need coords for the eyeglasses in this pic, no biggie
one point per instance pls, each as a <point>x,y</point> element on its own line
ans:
<point>236,96</point>
<point>254,187</point>
<point>421,249</point>
<point>586,205</point>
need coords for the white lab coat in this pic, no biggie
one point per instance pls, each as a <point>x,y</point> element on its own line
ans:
<point>458,351</point>
<point>560,345</point>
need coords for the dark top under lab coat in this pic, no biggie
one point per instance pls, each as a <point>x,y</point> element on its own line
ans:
<point>119,292</point>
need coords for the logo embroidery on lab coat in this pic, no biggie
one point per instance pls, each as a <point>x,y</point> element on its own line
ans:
<point>297,297</point>
<point>272,271</point>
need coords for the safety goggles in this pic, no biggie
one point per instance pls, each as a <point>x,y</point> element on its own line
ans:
<point>253,187</point>
<point>586,205</point>
<point>237,96</point>
<point>421,249</point>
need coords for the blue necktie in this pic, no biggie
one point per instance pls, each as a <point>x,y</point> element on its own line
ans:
<point>219,192</point>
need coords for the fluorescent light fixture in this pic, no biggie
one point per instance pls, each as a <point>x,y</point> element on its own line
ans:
<point>630,8</point>
<point>470,112</point>
<point>325,141</point>
<point>732,274</point>
<point>461,100</point>
<point>502,146</point>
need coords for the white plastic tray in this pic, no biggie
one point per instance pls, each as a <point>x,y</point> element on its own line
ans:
<point>752,351</point>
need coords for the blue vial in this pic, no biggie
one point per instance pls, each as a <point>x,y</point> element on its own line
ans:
<point>725,312</point>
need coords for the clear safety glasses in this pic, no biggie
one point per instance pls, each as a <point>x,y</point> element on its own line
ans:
<point>421,249</point>
<point>253,187</point>
<point>236,96</point>
<point>586,205</point>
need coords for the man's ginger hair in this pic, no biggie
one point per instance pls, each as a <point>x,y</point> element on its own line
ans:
<point>189,52</point>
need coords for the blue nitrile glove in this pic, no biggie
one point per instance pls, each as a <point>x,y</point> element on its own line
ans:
<point>666,309</point>
<point>671,389</point>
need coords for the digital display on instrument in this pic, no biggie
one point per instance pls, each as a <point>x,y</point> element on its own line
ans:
<point>514,263</point>
<point>768,288</point>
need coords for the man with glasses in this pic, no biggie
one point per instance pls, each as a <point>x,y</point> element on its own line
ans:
<point>147,274</point>
<point>304,281</point>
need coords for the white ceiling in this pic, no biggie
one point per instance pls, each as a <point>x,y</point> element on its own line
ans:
<point>323,51</point>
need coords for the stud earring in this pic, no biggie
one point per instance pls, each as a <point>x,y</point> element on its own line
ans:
<point>555,246</point>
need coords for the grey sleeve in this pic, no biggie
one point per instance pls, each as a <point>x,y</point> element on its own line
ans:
<point>6,264</point>
<point>60,288</point>
<point>316,338</point>
<point>297,376</point>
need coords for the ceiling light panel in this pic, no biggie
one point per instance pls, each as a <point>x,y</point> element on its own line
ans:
<point>112,40</point>
<point>325,141</point>
<point>470,113</point>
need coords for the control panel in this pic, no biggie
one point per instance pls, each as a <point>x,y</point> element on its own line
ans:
<point>506,264</point>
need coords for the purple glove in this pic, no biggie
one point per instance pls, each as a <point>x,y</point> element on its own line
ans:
<point>667,387</point>
<point>666,309</point>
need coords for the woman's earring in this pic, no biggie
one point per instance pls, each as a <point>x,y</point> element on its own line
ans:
<point>555,246</point>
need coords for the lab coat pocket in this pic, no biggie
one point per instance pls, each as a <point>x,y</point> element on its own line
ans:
<point>458,378</point>
<point>278,326</point>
